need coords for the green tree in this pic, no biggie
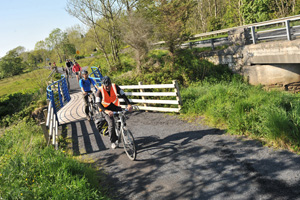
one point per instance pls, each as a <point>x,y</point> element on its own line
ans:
<point>101,15</point>
<point>256,10</point>
<point>171,18</point>
<point>11,64</point>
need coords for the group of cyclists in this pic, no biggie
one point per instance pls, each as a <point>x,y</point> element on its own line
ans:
<point>73,67</point>
<point>107,97</point>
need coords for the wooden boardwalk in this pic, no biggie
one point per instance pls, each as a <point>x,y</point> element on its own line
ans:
<point>84,137</point>
<point>72,111</point>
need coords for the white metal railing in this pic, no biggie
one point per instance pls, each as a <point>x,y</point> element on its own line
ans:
<point>147,104</point>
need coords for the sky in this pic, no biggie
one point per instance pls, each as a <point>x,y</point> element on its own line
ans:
<point>25,22</point>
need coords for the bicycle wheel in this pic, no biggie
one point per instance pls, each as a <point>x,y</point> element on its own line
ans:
<point>129,144</point>
<point>91,110</point>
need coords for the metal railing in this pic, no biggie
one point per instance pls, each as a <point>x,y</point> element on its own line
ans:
<point>288,32</point>
<point>96,75</point>
<point>57,95</point>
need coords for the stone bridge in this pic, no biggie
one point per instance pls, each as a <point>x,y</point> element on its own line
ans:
<point>267,63</point>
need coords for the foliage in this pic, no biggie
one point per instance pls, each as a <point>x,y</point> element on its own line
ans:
<point>58,41</point>
<point>171,20</point>
<point>256,11</point>
<point>246,109</point>
<point>30,170</point>
<point>11,64</point>
<point>185,67</point>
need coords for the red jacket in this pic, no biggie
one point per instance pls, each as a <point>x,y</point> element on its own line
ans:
<point>76,68</point>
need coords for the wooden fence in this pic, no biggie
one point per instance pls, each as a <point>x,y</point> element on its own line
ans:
<point>150,104</point>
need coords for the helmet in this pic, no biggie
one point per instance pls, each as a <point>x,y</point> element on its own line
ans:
<point>106,81</point>
<point>84,72</point>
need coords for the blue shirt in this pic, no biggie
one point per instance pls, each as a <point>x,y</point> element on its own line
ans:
<point>86,84</point>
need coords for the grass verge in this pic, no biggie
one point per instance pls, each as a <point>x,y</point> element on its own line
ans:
<point>31,170</point>
<point>273,117</point>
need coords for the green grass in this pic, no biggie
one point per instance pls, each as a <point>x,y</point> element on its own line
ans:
<point>27,82</point>
<point>247,110</point>
<point>30,170</point>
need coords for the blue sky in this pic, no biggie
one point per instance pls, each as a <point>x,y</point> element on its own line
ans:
<point>25,22</point>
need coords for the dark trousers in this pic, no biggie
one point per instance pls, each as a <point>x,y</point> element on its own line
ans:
<point>111,126</point>
<point>86,107</point>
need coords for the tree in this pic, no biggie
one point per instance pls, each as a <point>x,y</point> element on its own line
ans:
<point>136,31</point>
<point>171,21</point>
<point>101,15</point>
<point>256,10</point>
<point>41,48</point>
<point>11,64</point>
<point>54,41</point>
<point>58,41</point>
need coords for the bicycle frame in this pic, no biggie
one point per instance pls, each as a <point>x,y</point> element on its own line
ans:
<point>124,135</point>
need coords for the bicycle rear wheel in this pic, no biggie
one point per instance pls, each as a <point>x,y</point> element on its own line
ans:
<point>129,144</point>
<point>91,109</point>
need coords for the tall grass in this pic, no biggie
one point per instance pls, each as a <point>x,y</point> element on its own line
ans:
<point>28,82</point>
<point>246,109</point>
<point>30,170</point>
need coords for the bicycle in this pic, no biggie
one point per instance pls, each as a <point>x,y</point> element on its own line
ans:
<point>124,134</point>
<point>92,105</point>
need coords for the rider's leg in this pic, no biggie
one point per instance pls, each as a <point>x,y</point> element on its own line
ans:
<point>86,109</point>
<point>111,128</point>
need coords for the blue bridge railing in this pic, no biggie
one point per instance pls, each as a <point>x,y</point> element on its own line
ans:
<point>96,75</point>
<point>58,94</point>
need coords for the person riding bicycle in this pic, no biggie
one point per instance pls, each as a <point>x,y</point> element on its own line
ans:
<point>77,70</point>
<point>107,101</point>
<point>68,68</point>
<point>85,85</point>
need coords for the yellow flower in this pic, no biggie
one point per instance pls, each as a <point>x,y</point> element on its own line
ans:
<point>0,174</point>
<point>32,180</point>
<point>21,194</point>
<point>26,179</point>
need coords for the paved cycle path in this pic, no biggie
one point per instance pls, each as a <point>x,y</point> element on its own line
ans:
<point>180,160</point>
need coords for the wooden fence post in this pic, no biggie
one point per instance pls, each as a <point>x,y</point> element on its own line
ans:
<point>142,90</point>
<point>178,97</point>
<point>45,130</point>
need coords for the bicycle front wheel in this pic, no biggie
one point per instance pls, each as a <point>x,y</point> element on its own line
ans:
<point>129,144</point>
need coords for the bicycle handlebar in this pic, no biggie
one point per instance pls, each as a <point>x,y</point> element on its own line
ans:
<point>120,112</point>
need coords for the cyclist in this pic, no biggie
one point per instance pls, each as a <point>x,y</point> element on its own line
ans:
<point>85,85</point>
<point>54,67</point>
<point>68,68</point>
<point>77,70</point>
<point>107,101</point>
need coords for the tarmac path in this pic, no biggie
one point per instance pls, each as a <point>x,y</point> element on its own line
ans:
<point>180,160</point>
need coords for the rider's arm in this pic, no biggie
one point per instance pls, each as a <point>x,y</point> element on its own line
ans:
<point>123,95</point>
<point>81,86</point>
